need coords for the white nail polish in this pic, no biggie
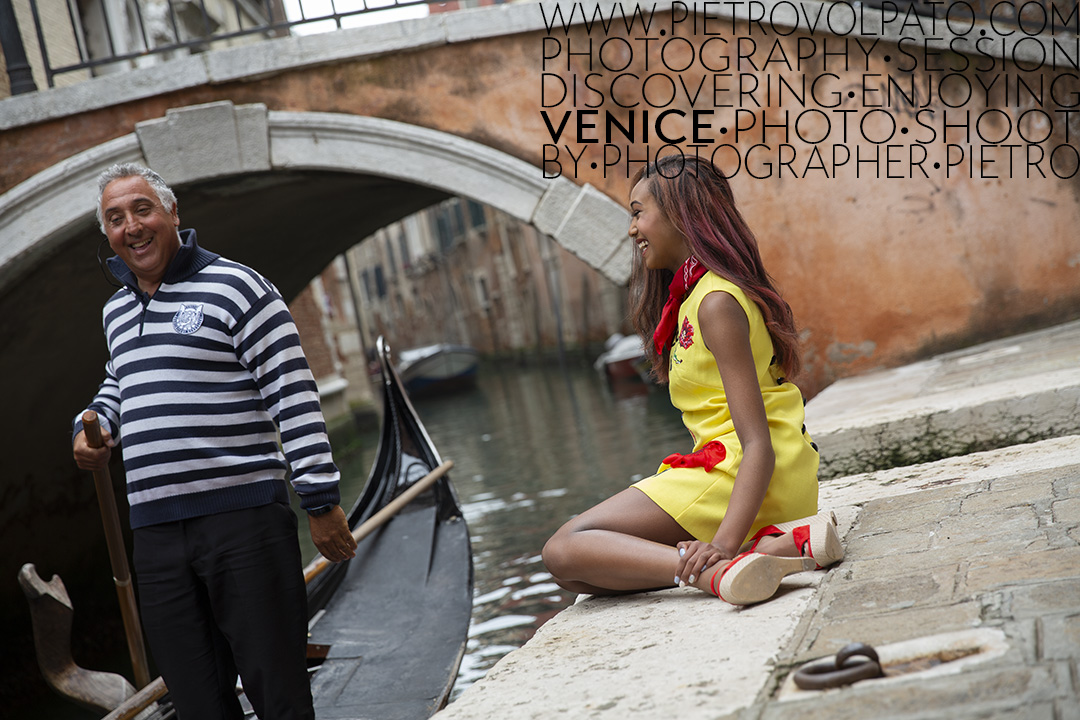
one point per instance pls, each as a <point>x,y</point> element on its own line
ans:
<point>682,551</point>
<point>676,579</point>
<point>691,579</point>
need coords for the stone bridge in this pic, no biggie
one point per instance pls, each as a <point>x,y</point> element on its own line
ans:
<point>287,152</point>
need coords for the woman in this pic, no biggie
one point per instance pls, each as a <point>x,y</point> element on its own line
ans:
<point>725,341</point>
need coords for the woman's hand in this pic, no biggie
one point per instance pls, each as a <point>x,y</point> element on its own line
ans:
<point>695,556</point>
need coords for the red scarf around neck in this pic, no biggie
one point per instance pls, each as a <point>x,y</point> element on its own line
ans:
<point>681,285</point>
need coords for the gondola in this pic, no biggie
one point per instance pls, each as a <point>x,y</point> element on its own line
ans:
<point>396,617</point>
<point>388,629</point>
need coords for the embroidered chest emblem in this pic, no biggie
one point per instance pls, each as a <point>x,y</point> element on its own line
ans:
<point>188,318</point>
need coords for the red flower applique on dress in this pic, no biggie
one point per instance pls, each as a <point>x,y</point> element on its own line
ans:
<point>686,335</point>
<point>685,340</point>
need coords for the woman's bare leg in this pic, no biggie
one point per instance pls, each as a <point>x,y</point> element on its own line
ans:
<point>625,543</point>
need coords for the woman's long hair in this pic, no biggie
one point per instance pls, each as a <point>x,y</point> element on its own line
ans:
<point>696,198</point>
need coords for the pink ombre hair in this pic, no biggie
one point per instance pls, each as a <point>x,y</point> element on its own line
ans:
<point>697,199</point>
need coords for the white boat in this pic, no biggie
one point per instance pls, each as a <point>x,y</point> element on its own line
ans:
<point>623,358</point>
<point>436,368</point>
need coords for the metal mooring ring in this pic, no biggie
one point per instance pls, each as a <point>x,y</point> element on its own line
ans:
<point>824,674</point>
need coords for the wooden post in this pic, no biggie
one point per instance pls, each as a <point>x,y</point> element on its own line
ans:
<point>118,556</point>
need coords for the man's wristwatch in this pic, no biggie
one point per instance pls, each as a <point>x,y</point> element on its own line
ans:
<point>321,510</point>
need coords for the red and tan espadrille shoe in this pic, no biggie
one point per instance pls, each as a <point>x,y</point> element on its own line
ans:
<point>753,577</point>
<point>815,536</point>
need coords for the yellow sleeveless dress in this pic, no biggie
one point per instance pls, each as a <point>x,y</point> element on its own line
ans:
<point>698,498</point>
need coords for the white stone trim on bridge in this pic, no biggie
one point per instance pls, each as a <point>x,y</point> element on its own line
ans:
<point>216,140</point>
<point>200,142</point>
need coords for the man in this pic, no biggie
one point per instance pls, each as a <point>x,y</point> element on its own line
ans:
<point>205,371</point>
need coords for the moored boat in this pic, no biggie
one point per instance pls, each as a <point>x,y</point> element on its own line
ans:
<point>438,368</point>
<point>623,358</point>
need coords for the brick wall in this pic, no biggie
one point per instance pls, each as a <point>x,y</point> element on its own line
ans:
<point>309,323</point>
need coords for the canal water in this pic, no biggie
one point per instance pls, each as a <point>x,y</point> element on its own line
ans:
<point>532,446</point>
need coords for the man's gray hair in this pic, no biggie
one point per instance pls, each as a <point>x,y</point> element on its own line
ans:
<point>124,170</point>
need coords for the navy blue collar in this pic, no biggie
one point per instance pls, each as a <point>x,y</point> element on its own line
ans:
<point>189,259</point>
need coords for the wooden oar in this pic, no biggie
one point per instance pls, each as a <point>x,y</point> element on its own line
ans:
<point>373,523</point>
<point>118,556</point>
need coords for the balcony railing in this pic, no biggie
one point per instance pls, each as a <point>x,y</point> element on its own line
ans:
<point>100,36</point>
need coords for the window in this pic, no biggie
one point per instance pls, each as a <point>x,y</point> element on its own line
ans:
<point>403,248</point>
<point>457,221</point>
<point>476,214</point>
<point>366,277</point>
<point>443,230</point>
<point>380,281</point>
<point>392,266</point>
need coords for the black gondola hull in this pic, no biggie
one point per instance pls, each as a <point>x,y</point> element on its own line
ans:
<point>398,660</point>
<point>396,617</point>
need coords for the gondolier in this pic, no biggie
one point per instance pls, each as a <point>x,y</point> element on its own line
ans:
<point>205,371</point>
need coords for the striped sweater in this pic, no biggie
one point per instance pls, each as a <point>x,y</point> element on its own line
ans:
<point>205,386</point>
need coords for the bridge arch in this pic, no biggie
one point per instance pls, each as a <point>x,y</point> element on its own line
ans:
<point>218,144</point>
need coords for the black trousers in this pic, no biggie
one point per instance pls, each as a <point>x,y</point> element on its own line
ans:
<point>223,594</point>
